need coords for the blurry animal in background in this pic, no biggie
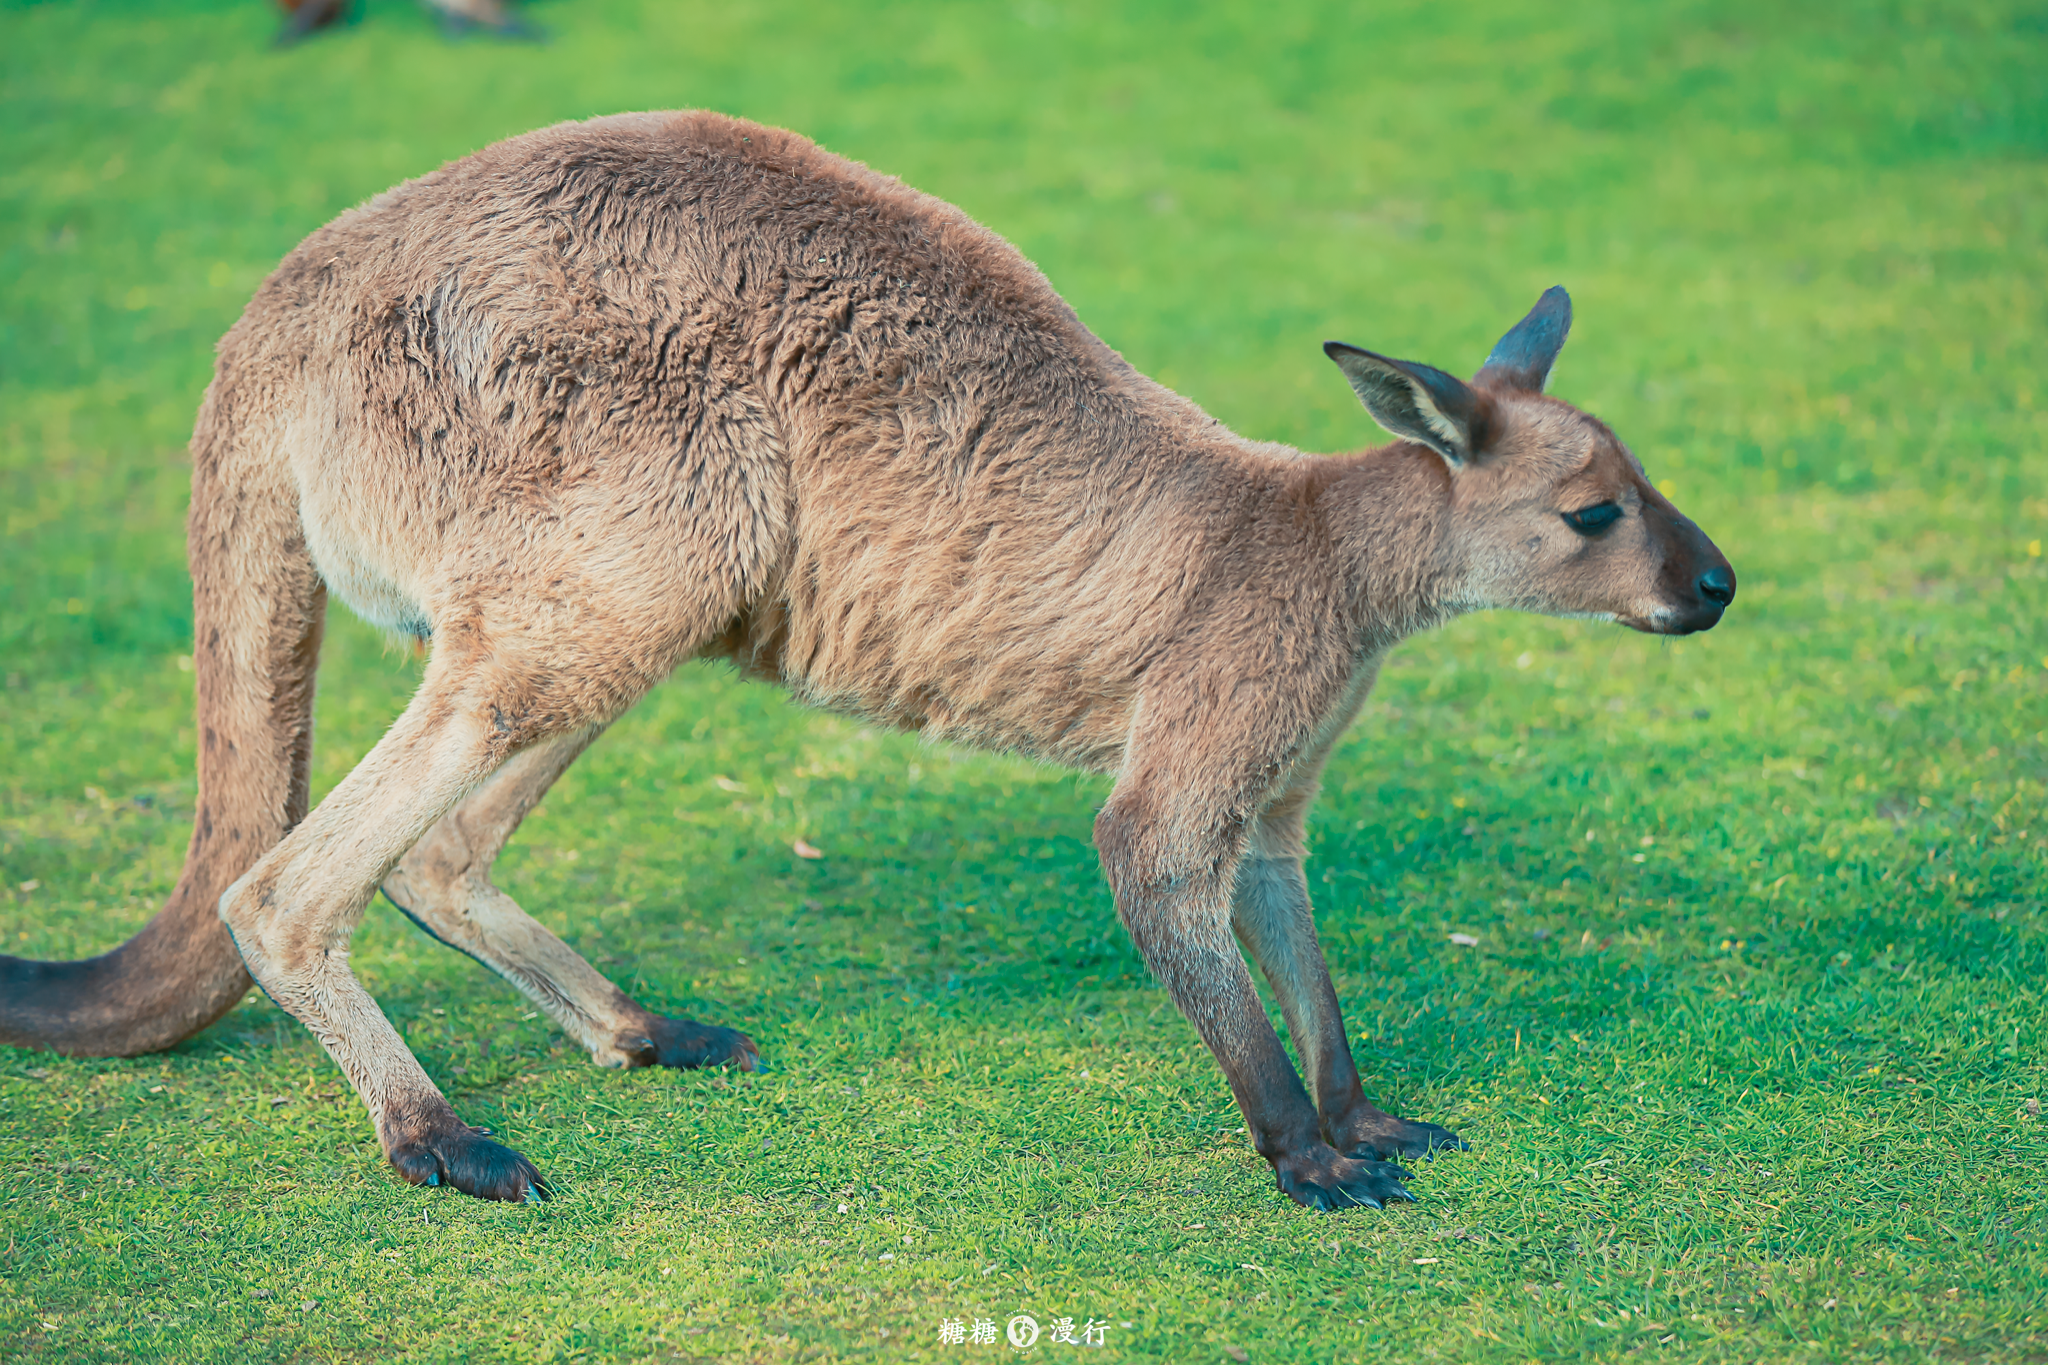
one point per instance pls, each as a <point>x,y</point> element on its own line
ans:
<point>303,17</point>
<point>458,17</point>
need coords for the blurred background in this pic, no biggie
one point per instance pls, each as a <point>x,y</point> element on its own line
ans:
<point>1802,240</point>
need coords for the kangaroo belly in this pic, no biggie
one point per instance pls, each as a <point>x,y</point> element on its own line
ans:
<point>353,574</point>
<point>945,680</point>
<point>357,518</point>
<point>1002,623</point>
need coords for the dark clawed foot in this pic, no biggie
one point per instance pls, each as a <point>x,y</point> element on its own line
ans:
<point>454,1154</point>
<point>1392,1138</point>
<point>686,1044</point>
<point>1321,1179</point>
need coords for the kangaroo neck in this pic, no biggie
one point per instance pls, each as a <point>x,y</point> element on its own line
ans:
<point>1388,511</point>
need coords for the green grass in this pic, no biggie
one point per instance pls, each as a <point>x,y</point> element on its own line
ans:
<point>1745,1045</point>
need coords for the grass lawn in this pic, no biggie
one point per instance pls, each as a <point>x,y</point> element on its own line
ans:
<point>1747,1043</point>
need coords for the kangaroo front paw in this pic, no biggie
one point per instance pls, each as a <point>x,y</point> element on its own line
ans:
<point>1386,1138</point>
<point>686,1044</point>
<point>450,1152</point>
<point>1320,1178</point>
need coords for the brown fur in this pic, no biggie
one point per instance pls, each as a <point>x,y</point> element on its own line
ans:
<point>613,394</point>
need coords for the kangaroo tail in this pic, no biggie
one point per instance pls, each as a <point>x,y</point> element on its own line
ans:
<point>258,608</point>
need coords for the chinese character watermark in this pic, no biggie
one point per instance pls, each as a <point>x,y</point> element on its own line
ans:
<point>1023,1332</point>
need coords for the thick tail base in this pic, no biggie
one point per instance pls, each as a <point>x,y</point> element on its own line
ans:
<point>162,986</point>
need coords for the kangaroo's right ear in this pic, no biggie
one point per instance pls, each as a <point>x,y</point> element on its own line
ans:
<point>1411,400</point>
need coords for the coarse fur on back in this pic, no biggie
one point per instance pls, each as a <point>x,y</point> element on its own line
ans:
<point>612,394</point>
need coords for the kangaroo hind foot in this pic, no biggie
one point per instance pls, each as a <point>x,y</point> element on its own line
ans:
<point>434,1147</point>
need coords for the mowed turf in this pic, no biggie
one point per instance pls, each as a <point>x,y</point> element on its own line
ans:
<point>1747,1044</point>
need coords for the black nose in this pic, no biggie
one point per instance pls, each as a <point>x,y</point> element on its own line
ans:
<point>1717,585</point>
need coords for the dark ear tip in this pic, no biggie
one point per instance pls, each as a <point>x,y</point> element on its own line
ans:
<point>1333,349</point>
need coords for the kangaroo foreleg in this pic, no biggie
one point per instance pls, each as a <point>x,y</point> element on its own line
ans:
<point>1173,895</point>
<point>444,885</point>
<point>1271,914</point>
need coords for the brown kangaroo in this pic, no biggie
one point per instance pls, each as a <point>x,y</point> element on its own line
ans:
<point>614,394</point>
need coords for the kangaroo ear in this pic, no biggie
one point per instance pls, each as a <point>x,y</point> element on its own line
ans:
<point>1522,359</point>
<point>1411,400</point>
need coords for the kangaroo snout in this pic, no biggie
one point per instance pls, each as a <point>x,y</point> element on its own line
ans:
<point>1717,585</point>
<point>1711,591</point>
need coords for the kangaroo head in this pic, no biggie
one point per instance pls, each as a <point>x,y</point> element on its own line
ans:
<point>1547,511</point>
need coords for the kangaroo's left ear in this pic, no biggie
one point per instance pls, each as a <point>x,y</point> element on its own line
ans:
<point>1522,359</point>
<point>1411,400</point>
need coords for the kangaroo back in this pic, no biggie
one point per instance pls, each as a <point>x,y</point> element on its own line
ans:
<point>258,607</point>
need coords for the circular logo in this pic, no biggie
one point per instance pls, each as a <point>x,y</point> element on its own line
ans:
<point>1022,1332</point>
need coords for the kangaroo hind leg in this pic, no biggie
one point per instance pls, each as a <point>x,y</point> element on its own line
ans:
<point>292,914</point>
<point>443,885</point>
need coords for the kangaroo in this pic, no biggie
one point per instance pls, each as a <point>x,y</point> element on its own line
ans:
<point>615,394</point>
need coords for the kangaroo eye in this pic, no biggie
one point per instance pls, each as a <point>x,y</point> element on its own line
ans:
<point>1591,521</point>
